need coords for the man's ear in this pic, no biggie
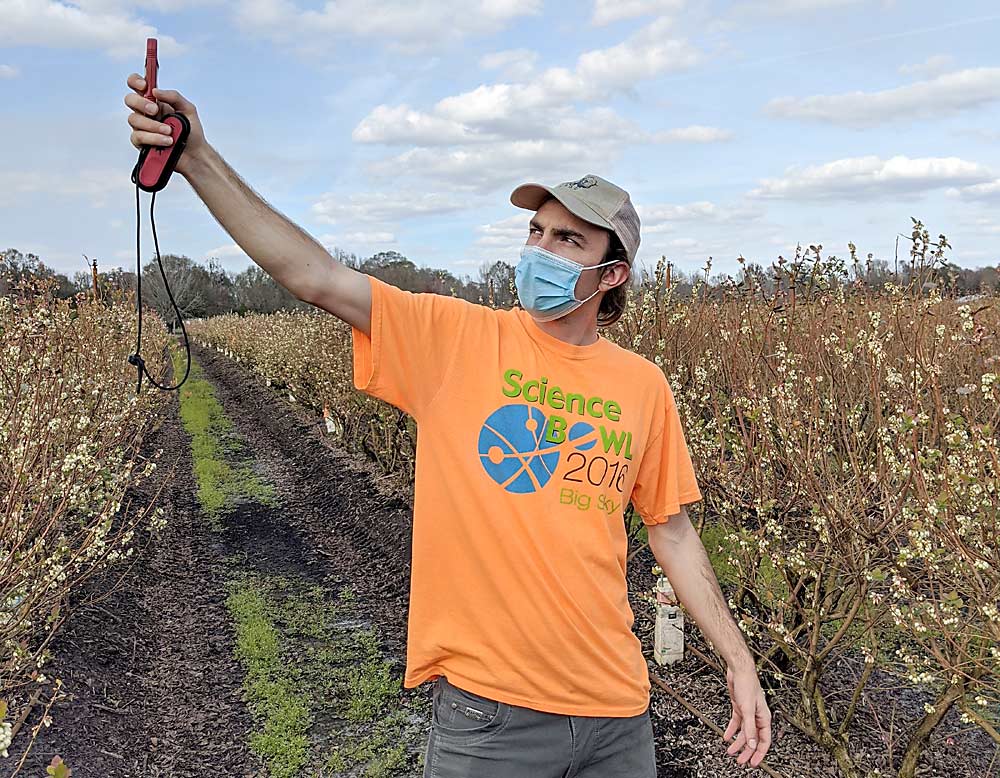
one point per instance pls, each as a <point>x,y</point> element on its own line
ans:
<point>610,268</point>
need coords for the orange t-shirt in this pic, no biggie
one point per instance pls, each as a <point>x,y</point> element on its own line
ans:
<point>528,450</point>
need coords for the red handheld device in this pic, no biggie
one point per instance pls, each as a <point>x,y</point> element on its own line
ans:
<point>156,163</point>
<point>151,174</point>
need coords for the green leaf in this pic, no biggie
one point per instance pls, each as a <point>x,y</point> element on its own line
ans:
<point>58,768</point>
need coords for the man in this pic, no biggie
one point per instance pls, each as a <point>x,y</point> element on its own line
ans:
<point>535,432</point>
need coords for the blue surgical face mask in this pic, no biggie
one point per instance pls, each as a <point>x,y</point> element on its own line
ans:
<point>546,283</point>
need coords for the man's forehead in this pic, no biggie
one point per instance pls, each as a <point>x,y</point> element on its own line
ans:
<point>555,214</point>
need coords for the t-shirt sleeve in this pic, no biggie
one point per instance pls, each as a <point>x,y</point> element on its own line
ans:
<point>666,478</point>
<point>414,339</point>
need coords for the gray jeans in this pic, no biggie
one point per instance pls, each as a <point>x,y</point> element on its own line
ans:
<point>476,737</point>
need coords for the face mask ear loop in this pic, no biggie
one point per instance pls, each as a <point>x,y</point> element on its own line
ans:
<point>593,267</point>
<point>598,289</point>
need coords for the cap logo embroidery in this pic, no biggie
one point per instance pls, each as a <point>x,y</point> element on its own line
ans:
<point>584,183</point>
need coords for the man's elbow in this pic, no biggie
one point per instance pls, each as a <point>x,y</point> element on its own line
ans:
<point>672,531</point>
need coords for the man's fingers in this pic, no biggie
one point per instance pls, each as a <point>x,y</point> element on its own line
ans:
<point>136,82</point>
<point>140,139</point>
<point>147,123</point>
<point>750,727</point>
<point>764,742</point>
<point>738,742</point>
<point>147,131</point>
<point>746,738</point>
<point>763,734</point>
<point>173,98</point>
<point>734,722</point>
<point>142,105</point>
<point>746,756</point>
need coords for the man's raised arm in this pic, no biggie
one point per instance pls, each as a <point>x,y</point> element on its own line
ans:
<point>283,249</point>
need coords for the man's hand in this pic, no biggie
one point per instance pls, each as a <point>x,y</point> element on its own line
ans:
<point>751,716</point>
<point>148,130</point>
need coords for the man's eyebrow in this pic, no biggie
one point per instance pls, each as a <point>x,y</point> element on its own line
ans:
<point>561,231</point>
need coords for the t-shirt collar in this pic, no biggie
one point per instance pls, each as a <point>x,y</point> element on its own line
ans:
<point>552,343</point>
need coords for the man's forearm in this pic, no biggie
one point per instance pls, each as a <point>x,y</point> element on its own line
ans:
<point>283,249</point>
<point>686,564</point>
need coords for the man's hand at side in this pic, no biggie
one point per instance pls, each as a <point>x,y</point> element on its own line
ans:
<point>679,551</point>
<point>751,717</point>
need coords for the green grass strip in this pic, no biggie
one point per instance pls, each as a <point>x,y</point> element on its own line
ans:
<point>270,689</point>
<point>212,438</point>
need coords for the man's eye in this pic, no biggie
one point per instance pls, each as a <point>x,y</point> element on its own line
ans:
<point>571,241</point>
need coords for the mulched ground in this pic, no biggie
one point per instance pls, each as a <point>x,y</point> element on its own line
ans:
<point>153,685</point>
<point>153,682</point>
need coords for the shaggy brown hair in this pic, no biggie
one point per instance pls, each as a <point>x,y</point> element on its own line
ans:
<point>613,301</point>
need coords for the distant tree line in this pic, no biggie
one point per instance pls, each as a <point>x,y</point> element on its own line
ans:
<point>207,290</point>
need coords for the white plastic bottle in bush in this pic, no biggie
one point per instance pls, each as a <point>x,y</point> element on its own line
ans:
<point>669,634</point>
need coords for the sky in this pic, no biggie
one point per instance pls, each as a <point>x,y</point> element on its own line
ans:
<point>739,128</point>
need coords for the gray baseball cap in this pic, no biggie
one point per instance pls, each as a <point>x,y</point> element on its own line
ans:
<point>594,200</point>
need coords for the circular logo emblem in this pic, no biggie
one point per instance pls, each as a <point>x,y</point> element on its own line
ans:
<point>514,451</point>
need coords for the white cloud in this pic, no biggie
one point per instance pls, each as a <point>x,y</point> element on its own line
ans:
<point>932,66</point>
<point>371,237</point>
<point>647,53</point>
<point>230,256</point>
<point>362,243</point>
<point>515,64</point>
<point>92,185</point>
<point>986,191</point>
<point>702,211</point>
<point>693,231</point>
<point>498,132</point>
<point>689,252</point>
<point>9,71</point>
<point>983,224</point>
<point>401,124</point>
<point>504,238</point>
<point>403,24</point>
<point>506,235</point>
<point>607,11</point>
<point>598,75</point>
<point>486,168</point>
<point>790,7</point>
<point>164,6</point>
<point>871,177</point>
<point>940,96</point>
<point>501,239</point>
<point>228,250</point>
<point>106,27</point>
<point>382,208</point>
<point>696,133</point>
